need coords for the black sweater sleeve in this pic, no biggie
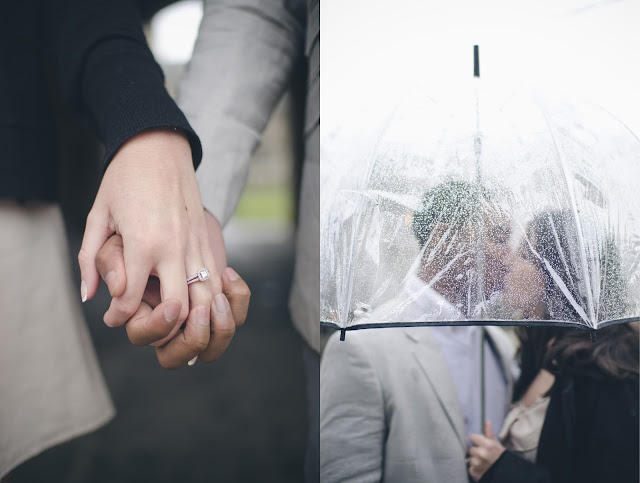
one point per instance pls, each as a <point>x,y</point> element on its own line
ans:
<point>107,72</point>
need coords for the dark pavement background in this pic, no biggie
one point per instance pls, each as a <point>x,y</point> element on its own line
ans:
<point>241,419</point>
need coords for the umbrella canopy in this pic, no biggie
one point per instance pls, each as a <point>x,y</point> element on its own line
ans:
<point>483,206</point>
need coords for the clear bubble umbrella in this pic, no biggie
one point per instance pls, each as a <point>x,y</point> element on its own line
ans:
<point>481,206</point>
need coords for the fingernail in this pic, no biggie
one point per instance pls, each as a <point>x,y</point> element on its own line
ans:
<point>231,273</point>
<point>83,291</point>
<point>171,313</point>
<point>202,317</point>
<point>192,361</point>
<point>221,303</point>
<point>112,281</point>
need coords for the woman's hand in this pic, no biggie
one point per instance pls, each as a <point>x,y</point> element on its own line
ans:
<point>485,452</point>
<point>150,197</point>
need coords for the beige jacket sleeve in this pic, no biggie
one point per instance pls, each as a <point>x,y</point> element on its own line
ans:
<point>241,65</point>
<point>352,421</point>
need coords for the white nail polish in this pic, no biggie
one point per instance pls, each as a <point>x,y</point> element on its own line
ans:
<point>192,361</point>
<point>83,291</point>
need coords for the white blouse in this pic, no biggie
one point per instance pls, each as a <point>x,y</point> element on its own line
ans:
<point>522,427</point>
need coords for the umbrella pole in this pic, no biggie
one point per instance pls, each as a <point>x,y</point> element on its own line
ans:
<point>482,382</point>
<point>480,254</point>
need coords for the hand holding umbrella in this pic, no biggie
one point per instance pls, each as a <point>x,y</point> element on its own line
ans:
<point>485,452</point>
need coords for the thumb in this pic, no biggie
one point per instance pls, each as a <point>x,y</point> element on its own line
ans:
<point>110,265</point>
<point>488,432</point>
<point>96,233</point>
<point>237,293</point>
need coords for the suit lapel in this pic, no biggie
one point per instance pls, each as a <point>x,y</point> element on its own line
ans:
<point>432,362</point>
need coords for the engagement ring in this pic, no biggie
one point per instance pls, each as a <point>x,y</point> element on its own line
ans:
<point>201,276</point>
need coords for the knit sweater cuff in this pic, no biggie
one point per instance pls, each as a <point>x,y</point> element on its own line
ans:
<point>123,90</point>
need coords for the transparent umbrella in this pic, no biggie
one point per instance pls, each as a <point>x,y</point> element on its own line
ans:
<point>483,206</point>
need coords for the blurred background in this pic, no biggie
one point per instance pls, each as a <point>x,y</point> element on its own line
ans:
<point>242,418</point>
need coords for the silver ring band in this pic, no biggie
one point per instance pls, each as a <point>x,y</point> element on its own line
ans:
<point>201,276</point>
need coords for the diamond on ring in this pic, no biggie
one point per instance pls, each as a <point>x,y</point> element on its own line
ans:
<point>200,276</point>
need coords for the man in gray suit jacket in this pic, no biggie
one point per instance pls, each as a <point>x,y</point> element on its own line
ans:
<point>242,64</point>
<point>390,410</point>
<point>398,404</point>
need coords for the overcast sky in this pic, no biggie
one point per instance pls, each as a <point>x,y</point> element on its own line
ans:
<point>588,48</point>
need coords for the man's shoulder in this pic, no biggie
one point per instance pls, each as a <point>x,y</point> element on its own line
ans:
<point>376,347</point>
<point>371,337</point>
<point>382,353</point>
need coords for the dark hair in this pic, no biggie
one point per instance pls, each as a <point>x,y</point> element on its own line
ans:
<point>555,243</point>
<point>452,203</point>
<point>615,352</point>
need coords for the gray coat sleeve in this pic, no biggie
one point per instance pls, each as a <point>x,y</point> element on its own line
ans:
<point>352,414</point>
<point>242,63</point>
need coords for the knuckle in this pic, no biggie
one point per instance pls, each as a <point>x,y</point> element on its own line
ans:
<point>197,344</point>
<point>83,257</point>
<point>201,295</point>
<point>243,291</point>
<point>108,320</point>
<point>225,331</point>
<point>125,307</point>
<point>200,345</point>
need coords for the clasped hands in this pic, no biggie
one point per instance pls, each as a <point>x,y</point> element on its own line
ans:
<point>147,232</point>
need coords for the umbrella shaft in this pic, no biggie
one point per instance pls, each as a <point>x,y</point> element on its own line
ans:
<point>482,382</point>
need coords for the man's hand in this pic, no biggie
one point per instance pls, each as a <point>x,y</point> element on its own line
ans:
<point>485,452</point>
<point>153,322</point>
<point>149,196</point>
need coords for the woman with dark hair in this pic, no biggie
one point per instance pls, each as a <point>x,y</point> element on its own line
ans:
<point>576,415</point>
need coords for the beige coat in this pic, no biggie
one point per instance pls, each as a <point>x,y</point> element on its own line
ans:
<point>51,387</point>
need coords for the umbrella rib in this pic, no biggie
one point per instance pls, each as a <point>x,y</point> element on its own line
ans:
<point>359,220</point>
<point>572,199</point>
<point>562,257</point>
